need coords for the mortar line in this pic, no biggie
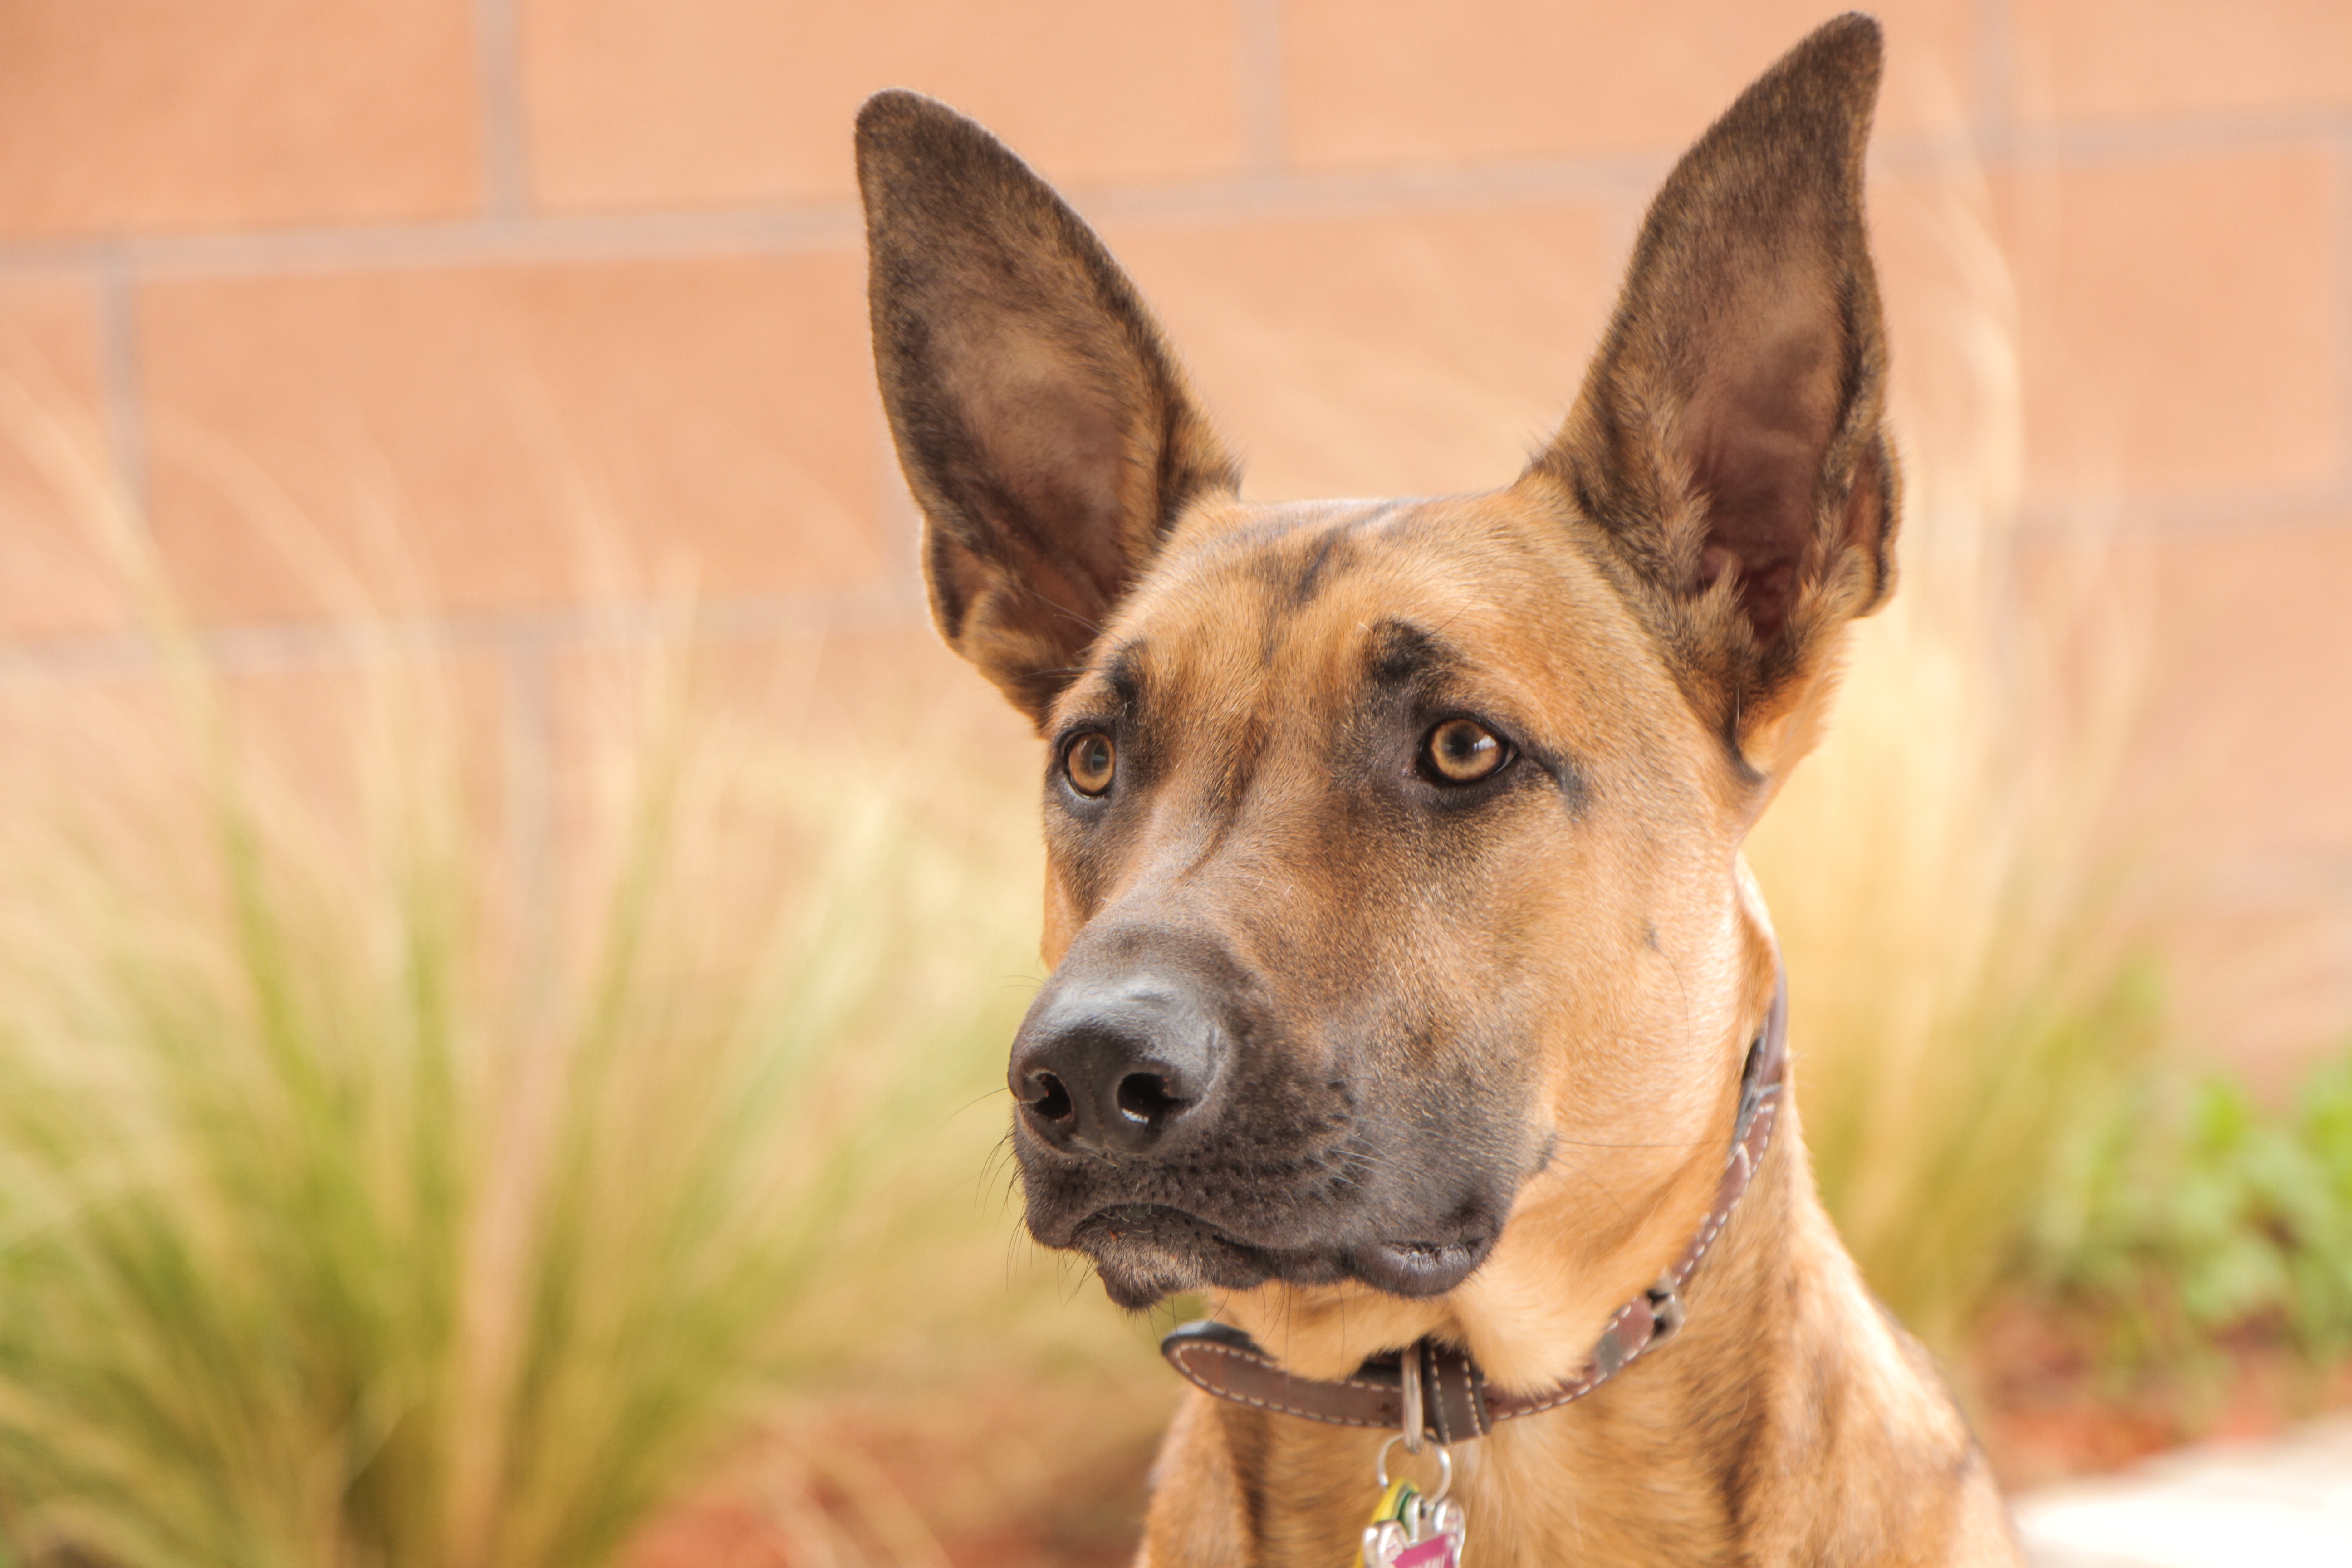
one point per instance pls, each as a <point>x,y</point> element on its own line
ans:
<point>1625,209</point>
<point>528,238</point>
<point>2325,508</point>
<point>901,519</point>
<point>1258,38</point>
<point>785,230</point>
<point>292,644</point>
<point>2172,137</point>
<point>123,394</point>
<point>1993,49</point>
<point>497,89</point>
<point>267,644</point>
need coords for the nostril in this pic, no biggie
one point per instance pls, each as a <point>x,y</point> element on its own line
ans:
<point>1053,1101</point>
<point>1143,1097</point>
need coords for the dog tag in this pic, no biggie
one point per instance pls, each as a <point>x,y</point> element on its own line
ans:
<point>1409,1531</point>
<point>1437,1551</point>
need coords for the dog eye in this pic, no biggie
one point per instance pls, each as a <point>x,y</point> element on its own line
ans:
<point>1462,751</point>
<point>1090,762</point>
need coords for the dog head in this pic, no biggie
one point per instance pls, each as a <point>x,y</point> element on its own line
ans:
<point>1394,894</point>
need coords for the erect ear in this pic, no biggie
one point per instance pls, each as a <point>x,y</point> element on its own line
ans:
<point>1042,425</point>
<point>1729,437</point>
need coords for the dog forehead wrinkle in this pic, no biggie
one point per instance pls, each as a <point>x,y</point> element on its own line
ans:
<point>1332,545</point>
<point>1310,575</point>
<point>1123,672</point>
<point>1398,655</point>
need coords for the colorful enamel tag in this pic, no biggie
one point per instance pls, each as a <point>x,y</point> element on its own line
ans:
<point>1410,1530</point>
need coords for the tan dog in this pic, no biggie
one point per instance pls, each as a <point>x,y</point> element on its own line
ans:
<point>1405,966</point>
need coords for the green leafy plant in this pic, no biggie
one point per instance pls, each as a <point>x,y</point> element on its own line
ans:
<point>2201,1212</point>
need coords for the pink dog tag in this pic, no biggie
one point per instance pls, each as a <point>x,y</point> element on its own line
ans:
<point>1408,1530</point>
<point>1437,1551</point>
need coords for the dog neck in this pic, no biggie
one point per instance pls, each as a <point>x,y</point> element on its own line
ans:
<point>1435,1390</point>
<point>1783,1354</point>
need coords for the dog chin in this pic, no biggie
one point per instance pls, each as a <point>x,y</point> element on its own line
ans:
<point>1147,1252</point>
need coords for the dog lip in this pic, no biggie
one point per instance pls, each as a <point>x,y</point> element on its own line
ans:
<point>1418,1267</point>
<point>1136,1216</point>
<point>1156,1222</point>
<point>1144,1251</point>
<point>1166,1224</point>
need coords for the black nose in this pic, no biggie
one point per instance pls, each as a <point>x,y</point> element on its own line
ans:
<point>1110,1066</point>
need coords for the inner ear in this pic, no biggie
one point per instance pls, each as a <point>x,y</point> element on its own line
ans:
<point>1762,414</point>
<point>1727,443</point>
<point>1053,449</point>
<point>1042,425</point>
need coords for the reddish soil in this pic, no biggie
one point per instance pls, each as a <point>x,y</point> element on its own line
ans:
<point>2049,1406</point>
<point>1041,1476</point>
<point>1052,1476</point>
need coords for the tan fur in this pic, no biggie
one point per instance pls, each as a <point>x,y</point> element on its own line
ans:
<point>1543,990</point>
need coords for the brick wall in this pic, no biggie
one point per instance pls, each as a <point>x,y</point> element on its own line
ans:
<point>455,303</point>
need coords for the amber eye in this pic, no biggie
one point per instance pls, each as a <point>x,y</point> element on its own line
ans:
<point>1462,751</point>
<point>1090,762</point>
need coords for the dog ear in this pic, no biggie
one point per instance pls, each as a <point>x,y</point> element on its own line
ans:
<point>1728,439</point>
<point>1042,424</point>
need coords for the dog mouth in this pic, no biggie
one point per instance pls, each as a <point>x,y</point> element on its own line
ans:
<point>1146,1252</point>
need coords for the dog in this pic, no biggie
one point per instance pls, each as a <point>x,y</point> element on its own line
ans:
<point>1409,994</point>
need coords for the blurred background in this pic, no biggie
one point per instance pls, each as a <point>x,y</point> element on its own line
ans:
<point>510,921</point>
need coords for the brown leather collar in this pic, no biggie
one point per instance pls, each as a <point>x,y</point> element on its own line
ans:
<point>1456,1402</point>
